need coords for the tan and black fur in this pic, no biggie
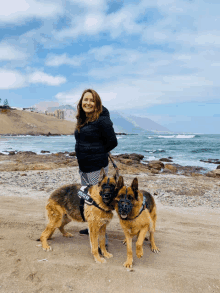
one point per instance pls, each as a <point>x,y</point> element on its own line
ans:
<point>63,206</point>
<point>134,223</point>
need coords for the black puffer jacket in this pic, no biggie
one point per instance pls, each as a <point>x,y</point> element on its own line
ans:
<point>94,141</point>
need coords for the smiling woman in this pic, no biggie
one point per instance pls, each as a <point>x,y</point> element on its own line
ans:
<point>94,134</point>
<point>95,137</point>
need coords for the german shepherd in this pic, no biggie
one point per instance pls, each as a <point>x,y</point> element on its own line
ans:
<point>63,206</point>
<point>137,213</point>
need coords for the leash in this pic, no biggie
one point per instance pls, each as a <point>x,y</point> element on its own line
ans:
<point>113,163</point>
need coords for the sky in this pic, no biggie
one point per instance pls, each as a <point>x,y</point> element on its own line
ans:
<point>157,59</point>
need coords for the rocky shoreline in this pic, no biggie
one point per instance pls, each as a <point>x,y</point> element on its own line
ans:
<point>26,173</point>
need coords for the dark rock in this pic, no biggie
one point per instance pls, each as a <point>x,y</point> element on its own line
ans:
<point>11,153</point>
<point>26,153</point>
<point>154,171</point>
<point>165,160</point>
<point>158,165</point>
<point>44,152</point>
<point>72,154</point>
<point>134,157</point>
<point>211,161</point>
<point>218,167</point>
<point>1,154</point>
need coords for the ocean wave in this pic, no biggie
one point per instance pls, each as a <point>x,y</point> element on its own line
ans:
<point>155,151</point>
<point>177,136</point>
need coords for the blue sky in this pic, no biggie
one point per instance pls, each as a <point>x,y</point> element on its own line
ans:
<point>159,59</point>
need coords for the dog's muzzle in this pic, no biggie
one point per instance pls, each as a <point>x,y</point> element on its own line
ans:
<point>124,207</point>
<point>107,193</point>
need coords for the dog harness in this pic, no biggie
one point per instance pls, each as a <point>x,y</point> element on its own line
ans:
<point>85,197</point>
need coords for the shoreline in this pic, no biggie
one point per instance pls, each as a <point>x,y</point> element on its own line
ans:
<point>161,166</point>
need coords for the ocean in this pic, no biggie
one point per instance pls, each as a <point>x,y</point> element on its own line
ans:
<point>186,150</point>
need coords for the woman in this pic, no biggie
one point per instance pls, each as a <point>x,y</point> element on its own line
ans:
<point>95,137</point>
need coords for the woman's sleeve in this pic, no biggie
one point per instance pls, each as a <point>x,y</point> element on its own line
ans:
<point>108,134</point>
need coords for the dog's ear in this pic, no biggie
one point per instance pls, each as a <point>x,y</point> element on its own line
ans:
<point>102,175</point>
<point>134,187</point>
<point>120,183</point>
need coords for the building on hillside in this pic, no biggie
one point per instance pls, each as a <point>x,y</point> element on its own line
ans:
<point>31,109</point>
<point>59,114</point>
<point>49,113</point>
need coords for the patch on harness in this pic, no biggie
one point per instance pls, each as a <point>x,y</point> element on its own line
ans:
<point>83,193</point>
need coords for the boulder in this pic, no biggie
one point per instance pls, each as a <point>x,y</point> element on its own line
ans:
<point>214,173</point>
<point>211,161</point>
<point>171,168</point>
<point>72,154</point>
<point>44,152</point>
<point>127,161</point>
<point>136,158</point>
<point>154,171</point>
<point>165,160</point>
<point>11,153</point>
<point>26,153</point>
<point>218,167</point>
<point>155,165</point>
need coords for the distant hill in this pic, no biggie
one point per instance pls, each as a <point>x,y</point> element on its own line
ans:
<point>135,124</point>
<point>147,124</point>
<point>123,124</point>
<point>23,122</point>
<point>62,107</point>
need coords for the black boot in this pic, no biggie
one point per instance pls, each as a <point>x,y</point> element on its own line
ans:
<point>84,232</point>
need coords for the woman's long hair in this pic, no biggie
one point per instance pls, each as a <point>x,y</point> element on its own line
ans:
<point>81,115</point>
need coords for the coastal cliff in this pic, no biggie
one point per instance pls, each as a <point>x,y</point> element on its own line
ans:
<point>15,122</point>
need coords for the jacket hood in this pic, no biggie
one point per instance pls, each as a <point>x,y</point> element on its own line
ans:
<point>105,112</point>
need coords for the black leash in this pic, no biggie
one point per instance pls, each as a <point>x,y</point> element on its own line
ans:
<point>113,163</point>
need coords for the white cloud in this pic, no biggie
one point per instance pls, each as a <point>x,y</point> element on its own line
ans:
<point>17,11</point>
<point>8,52</point>
<point>11,79</point>
<point>58,60</point>
<point>41,77</point>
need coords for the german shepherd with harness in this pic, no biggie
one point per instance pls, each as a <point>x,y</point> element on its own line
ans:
<point>64,205</point>
<point>137,213</point>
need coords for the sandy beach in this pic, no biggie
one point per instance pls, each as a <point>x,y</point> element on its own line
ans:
<point>187,234</point>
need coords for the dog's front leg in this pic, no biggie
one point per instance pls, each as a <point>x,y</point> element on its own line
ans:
<point>129,261</point>
<point>140,241</point>
<point>94,235</point>
<point>102,232</point>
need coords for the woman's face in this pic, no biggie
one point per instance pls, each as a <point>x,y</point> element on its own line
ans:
<point>88,103</point>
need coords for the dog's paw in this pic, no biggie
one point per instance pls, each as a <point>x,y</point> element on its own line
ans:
<point>100,260</point>
<point>155,249</point>
<point>107,255</point>
<point>128,264</point>
<point>47,248</point>
<point>139,252</point>
<point>68,235</point>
